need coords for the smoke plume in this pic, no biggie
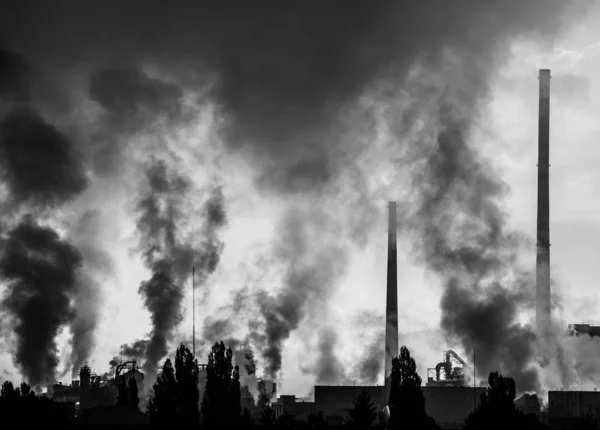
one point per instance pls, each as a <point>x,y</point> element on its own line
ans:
<point>170,254</point>
<point>136,350</point>
<point>41,272</point>
<point>460,231</point>
<point>328,368</point>
<point>89,300</point>
<point>285,77</point>
<point>38,163</point>
<point>131,101</point>
<point>313,265</point>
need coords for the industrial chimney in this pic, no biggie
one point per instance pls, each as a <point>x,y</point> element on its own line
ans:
<point>543,318</point>
<point>391,309</point>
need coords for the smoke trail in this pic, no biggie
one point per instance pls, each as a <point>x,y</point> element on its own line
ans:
<point>41,271</point>
<point>459,230</point>
<point>89,299</point>
<point>169,254</point>
<point>136,350</point>
<point>371,363</point>
<point>328,368</point>
<point>283,90</point>
<point>41,170</point>
<point>38,163</point>
<point>15,76</point>
<point>314,262</point>
<point>131,101</point>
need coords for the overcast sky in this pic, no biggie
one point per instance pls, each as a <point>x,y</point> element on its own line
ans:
<point>506,134</point>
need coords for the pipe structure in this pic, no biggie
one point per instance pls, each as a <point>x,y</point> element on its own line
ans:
<point>391,311</point>
<point>543,317</point>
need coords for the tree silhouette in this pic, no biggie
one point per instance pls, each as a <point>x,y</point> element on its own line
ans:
<point>316,420</point>
<point>406,402</point>
<point>286,419</point>
<point>176,391</point>
<point>123,396</point>
<point>134,398</point>
<point>364,412</point>
<point>22,406</point>
<point>188,396</point>
<point>221,404</point>
<point>162,408</point>
<point>246,419</point>
<point>497,408</point>
<point>267,416</point>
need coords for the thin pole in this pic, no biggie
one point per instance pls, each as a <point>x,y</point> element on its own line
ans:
<point>474,389</point>
<point>193,313</point>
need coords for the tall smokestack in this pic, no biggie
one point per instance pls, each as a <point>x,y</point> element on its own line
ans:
<point>391,310</point>
<point>543,215</point>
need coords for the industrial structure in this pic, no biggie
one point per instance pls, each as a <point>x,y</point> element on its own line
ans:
<point>391,303</point>
<point>449,396</point>
<point>92,390</point>
<point>543,317</point>
<point>447,373</point>
<point>581,329</point>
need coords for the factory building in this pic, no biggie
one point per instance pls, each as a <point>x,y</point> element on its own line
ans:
<point>447,398</point>
<point>300,408</point>
<point>583,329</point>
<point>567,408</point>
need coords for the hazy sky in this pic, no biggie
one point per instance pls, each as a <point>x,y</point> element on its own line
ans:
<point>506,135</point>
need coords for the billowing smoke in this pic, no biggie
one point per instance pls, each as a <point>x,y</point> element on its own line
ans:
<point>286,76</point>
<point>313,265</point>
<point>371,363</point>
<point>165,256</point>
<point>135,350</point>
<point>39,164</point>
<point>40,170</point>
<point>89,299</point>
<point>131,101</point>
<point>170,254</point>
<point>41,272</point>
<point>328,368</point>
<point>460,230</point>
<point>250,364</point>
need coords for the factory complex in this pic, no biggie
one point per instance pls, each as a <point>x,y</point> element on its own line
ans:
<point>449,398</point>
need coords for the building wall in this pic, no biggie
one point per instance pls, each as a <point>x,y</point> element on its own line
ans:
<point>449,406</point>
<point>573,404</point>
<point>300,410</point>
<point>335,400</point>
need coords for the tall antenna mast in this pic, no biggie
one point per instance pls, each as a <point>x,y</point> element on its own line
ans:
<point>193,313</point>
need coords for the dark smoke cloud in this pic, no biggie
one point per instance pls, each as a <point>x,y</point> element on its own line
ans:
<point>128,94</point>
<point>41,272</point>
<point>280,86</point>
<point>328,368</point>
<point>89,299</point>
<point>170,255</point>
<point>15,76</point>
<point>38,163</point>
<point>312,269</point>
<point>131,101</point>
<point>371,362</point>
<point>221,324</point>
<point>135,350</point>
<point>285,74</point>
<point>459,229</point>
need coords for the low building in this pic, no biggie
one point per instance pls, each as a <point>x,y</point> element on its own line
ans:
<point>298,408</point>
<point>449,406</point>
<point>583,329</point>
<point>567,408</point>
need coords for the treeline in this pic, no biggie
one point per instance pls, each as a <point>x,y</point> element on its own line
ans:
<point>176,401</point>
<point>23,408</point>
